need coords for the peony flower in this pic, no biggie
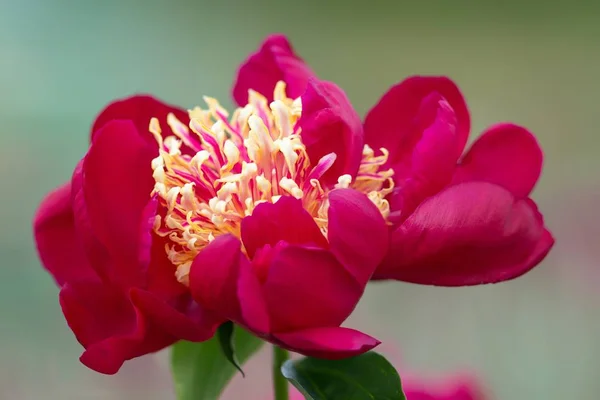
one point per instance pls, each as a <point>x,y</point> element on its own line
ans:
<point>455,219</point>
<point>273,218</point>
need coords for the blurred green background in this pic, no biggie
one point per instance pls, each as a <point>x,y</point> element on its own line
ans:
<point>534,63</point>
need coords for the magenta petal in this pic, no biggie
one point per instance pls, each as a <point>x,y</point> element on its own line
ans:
<point>253,305</point>
<point>110,328</point>
<point>57,240</point>
<point>507,155</point>
<point>274,61</point>
<point>398,120</point>
<point>139,109</point>
<point>213,276</point>
<point>433,160</point>
<point>117,182</point>
<point>331,125</point>
<point>192,323</point>
<point>308,287</point>
<point>358,235</point>
<point>285,220</point>
<point>469,234</point>
<point>221,281</point>
<point>332,343</point>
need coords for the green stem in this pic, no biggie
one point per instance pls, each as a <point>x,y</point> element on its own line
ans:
<point>280,384</point>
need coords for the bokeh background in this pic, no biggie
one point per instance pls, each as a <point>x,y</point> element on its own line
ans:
<point>534,63</point>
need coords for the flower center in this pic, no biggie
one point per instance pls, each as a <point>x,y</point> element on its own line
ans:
<point>230,165</point>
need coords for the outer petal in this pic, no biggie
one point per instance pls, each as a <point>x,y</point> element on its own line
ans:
<point>507,155</point>
<point>56,239</point>
<point>285,220</point>
<point>274,61</point>
<point>433,160</point>
<point>357,233</point>
<point>397,122</point>
<point>139,109</point>
<point>331,343</point>
<point>221,281</point>
<point>469,234</point>
<point>192,323</point>
<point>108,326</point>
<point>331,125</point>
<point>117,182</point>
<point>308,287</point>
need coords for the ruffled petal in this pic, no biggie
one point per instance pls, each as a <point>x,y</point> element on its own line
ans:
<point>308,287</point>
<point>398,120</point>
<point>274,61</point>
<point>117,182</point>
<point>182,318</point>
<point>358,235</point>
<point>469,234</point>
<point>139,109</point>
<point>507,155</point>
<point>432,162</point>
<point>332,343</point>
<point>331,125</point>
<point>57,240</point>
<point>222,282</point>
<point>284,220</point>
<point>110,328</point>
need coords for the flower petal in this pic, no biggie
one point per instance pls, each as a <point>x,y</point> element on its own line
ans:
<point>398,120</point>
<point>108,326</point>
<point>358,235</point>
<point>117,182</point>
<point>308,287</point>
<point>331,125</point>
<point>57,240</point>
<point>433,160</point>
<point>284,220</point>
<point>221,281</point>
<point>139,109</point>
<point>469,234</point>
<point>192,323</point>
<point>507,155</point>
<point>332,343</point>
<point>274,61</point>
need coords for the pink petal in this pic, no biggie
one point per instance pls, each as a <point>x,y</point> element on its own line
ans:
<point>221,281</point>
<point>507,155</point>
<point>117,182</point>
<point>274,61</point>
<point>96,253</point>
<point>358,235</point>
<point>469,234</point>
<point>331,125</point>
<point>57,240</point>
<point>433,160</point>
<point>398,120</point>
<point>139,109</point>
<point>450,388</point>
<point>285,220</point>
<point>308,287</point>
<point>182,318</point>
<point>331,343</point>
<point>108,326</point>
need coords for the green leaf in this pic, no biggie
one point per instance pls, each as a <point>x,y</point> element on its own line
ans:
<point>366,377</point>
<point>201,370</point>
<point>227,341</point>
